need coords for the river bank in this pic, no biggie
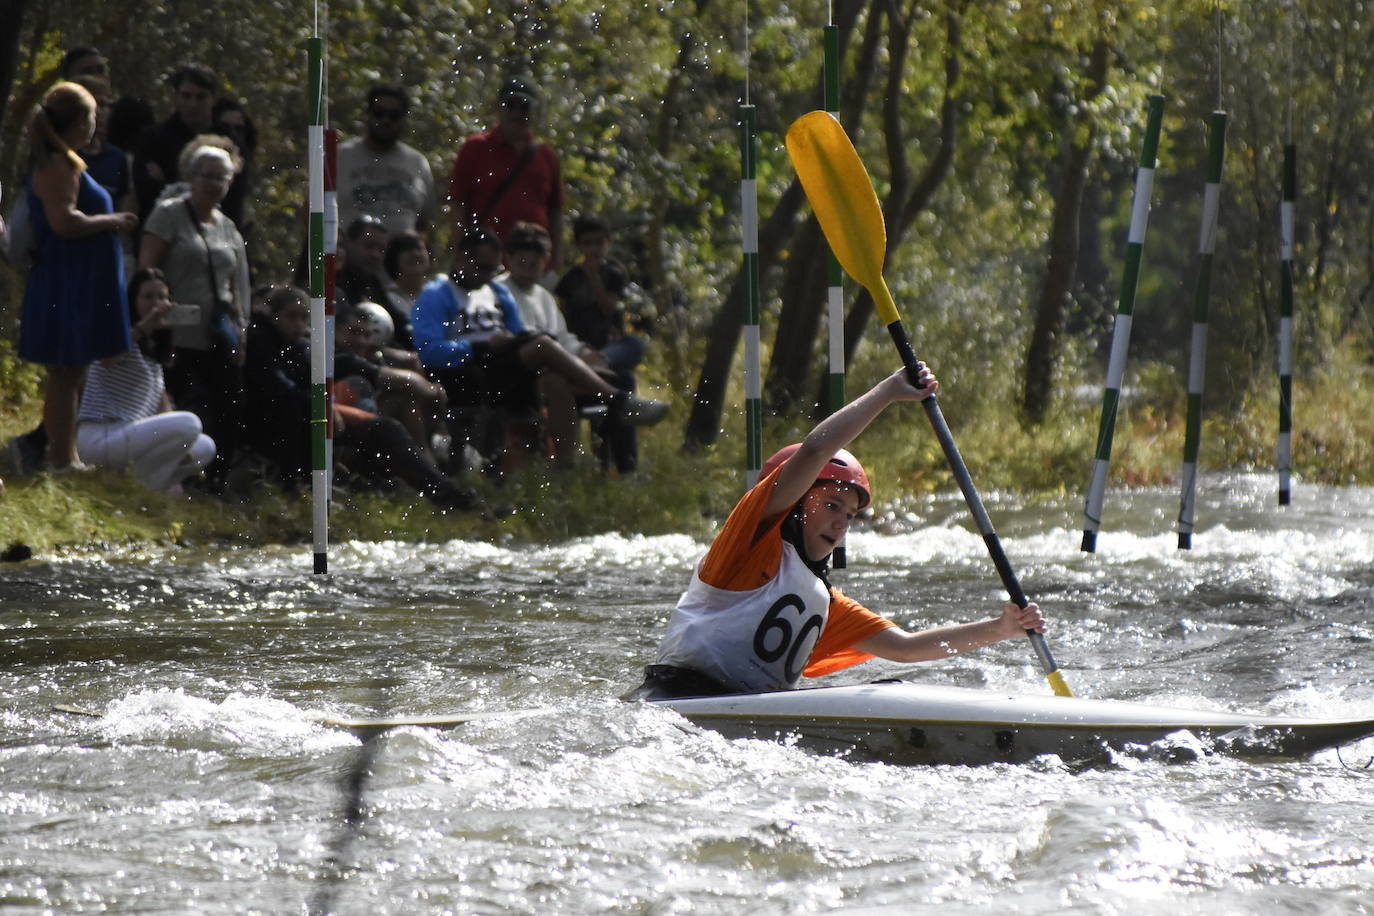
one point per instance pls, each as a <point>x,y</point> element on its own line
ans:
<point>689,493</point>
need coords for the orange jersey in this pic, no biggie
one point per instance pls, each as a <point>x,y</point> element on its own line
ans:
<point>747,553</point>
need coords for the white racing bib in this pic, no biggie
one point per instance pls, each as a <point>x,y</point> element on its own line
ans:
<point>752,641</point>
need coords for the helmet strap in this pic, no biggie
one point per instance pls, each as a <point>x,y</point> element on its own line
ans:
<point>792,533</point>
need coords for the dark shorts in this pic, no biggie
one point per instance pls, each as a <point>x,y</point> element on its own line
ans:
<point>494,376</point>
<point>509,382</point>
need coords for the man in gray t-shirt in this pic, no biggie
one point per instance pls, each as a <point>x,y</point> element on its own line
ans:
<point>381,176</point>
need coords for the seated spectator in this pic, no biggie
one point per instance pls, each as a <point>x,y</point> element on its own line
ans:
<point>278,382</point>
<point>527,253</point>
<point>407,264</point>
<point>404,394</point>
<point>361,277</point>
<point>591,296</point>
<point>471,339</point>
<point>126,417</point>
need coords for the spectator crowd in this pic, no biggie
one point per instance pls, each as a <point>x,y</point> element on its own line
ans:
<point>163,355</point>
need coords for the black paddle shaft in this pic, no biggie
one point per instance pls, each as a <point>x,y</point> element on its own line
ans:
<point>971,497</point>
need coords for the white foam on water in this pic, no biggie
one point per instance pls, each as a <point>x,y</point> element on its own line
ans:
<point>174,716</point>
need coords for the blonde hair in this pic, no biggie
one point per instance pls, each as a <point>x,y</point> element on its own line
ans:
<point>62,106</point>
<point>208,145</point>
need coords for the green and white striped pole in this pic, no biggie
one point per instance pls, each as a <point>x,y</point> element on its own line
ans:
<point>319,414</point>
<point>1197,361</point>
<point>331,255</point>
<point>1286,227</point>
<point>834,274</point>
<point>749,226</point>
<point>1121,331</point>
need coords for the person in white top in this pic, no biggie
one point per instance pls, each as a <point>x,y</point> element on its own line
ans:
<point>527,251</point>
<point>126,417</point>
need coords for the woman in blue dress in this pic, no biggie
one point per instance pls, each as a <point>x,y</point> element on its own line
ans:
<point>75,310</point>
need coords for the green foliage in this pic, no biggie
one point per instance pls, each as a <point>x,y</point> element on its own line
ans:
<point>19,381</point>
<point>641,101</point>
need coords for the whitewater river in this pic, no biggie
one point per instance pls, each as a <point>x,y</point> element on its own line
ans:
<point>201,783</point>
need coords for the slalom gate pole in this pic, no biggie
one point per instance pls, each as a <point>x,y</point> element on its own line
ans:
<point>834,273</point>
<point>331,260</point>
<point>749,224</point>
<point>1197,361</point>
<point>1285,446</point>
<point>319,413</point>
<point>749,244</point>
<point>1121,331</point>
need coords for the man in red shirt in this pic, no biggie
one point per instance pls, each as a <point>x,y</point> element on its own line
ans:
<point>504,175</point>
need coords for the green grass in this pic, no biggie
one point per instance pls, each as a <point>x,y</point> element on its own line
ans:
<point>690,493</point>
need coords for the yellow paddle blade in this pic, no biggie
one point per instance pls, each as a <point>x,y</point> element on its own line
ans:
<point>842,197</point>
<point>1059,685</point>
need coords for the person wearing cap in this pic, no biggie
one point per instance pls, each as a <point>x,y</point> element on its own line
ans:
<point>504,175</point>
<point>760,612</point>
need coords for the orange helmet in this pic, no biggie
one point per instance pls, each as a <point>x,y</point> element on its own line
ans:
<point>842,467</point>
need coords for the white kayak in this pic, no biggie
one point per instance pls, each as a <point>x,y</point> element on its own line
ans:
<point>897,722</point>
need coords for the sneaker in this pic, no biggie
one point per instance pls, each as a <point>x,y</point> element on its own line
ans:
<point>75,467</point>
<point>637,411</point>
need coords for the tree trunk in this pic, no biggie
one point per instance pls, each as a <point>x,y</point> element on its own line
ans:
<point>804,285</point>
<point>901,212</point>
<point>1044,352</point>
<point>665,135</point>
<point>722,337</point>
<point>12,14</point>
<point>708,404</point>
<point>803,296</point>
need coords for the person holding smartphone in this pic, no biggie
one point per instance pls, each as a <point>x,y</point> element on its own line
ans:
<point>126,417</point>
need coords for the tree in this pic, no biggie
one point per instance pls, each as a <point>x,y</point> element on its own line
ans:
<point>1045,349</point>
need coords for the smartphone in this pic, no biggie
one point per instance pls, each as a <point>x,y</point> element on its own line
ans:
<point>180,316</point>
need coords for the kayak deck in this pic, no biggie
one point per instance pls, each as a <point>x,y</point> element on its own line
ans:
<point>896,722</point>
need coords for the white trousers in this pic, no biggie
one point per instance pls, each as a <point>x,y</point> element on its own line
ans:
<point>164,449</point>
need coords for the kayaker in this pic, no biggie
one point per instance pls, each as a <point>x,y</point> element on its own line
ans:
<point>760,612</point>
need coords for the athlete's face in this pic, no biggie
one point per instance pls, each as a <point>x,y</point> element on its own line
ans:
<point>827,510</point>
